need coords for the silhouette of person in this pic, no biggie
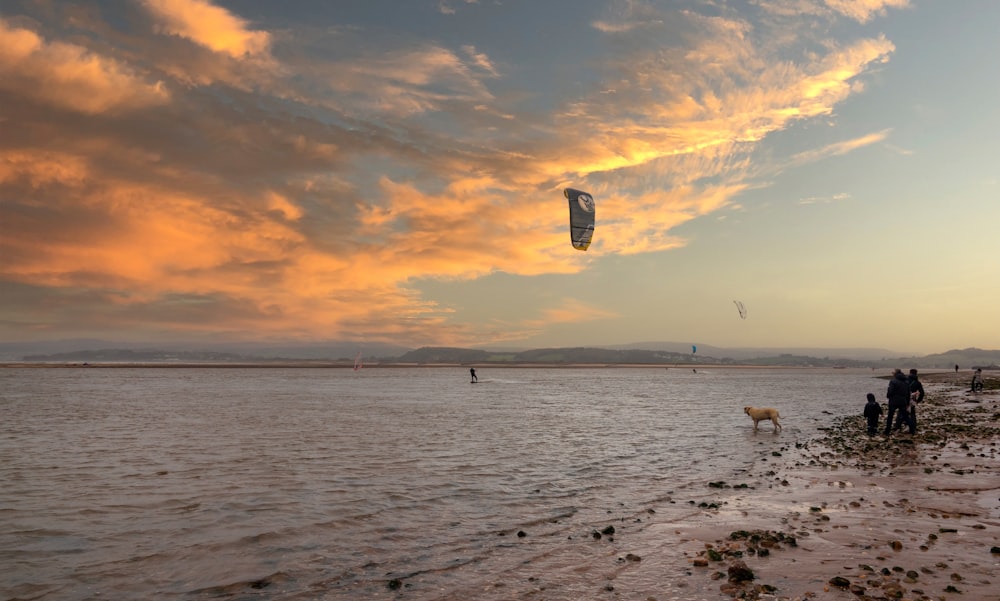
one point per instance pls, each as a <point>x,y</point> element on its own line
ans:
<point>472,372</point>
<point>977,380</point>
<point>916,397</point>
<point>898,394</point>
<point>872,412</point>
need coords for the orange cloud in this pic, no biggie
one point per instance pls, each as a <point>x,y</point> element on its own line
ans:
<point>209,26</point>
<point>40,168</point>
<point>235,215</point>
<point>575,311</point>
<point>70,76</point>
<point>704,114</point>
<point>839,148</point>
<point>864,10</point>
<point>413,81</point>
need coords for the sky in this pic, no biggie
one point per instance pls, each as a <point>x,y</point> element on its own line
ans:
<point>378,170</point>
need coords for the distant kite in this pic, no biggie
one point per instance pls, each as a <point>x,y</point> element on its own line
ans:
<point>694,349</point>
<point>741,309</point>
<point>581,217</point>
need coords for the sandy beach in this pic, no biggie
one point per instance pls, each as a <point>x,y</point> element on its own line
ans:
<point>845,516</point>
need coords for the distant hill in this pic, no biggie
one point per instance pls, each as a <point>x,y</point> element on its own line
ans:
<point>88,349</point>
<point>667,354</point>
<point>605,356</point>
<point>140,356</point>
<point>740,353</point>
<point>969,358</point>
<point>590,355</point>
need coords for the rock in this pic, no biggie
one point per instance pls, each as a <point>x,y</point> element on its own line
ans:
<point>739,572</point>
<point>840,582</point>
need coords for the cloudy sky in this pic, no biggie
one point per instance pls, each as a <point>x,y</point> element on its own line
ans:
<point>392,171</point>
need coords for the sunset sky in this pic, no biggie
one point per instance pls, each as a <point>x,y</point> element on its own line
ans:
<point>386,170</point>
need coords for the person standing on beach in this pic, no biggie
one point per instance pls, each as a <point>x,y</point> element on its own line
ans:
<point>873,411</point>
<point>472,372</point>
<point>898,394</point>
<point>916,397</point>
<point>977,380</point>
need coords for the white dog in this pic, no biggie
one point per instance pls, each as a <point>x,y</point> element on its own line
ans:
<point>759,414</point>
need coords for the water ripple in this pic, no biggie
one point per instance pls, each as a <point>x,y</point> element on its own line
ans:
<point>306,484</point>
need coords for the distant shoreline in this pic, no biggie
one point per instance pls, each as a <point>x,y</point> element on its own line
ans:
<point>306,364</point>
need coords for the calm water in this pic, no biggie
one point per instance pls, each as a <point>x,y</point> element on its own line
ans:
<point>328,483</point>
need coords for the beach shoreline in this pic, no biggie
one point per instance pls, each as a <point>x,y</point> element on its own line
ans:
<point>845,516</point>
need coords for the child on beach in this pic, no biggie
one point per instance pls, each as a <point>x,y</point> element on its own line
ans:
<point>872,412</point>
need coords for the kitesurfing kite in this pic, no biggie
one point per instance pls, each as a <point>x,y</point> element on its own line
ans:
<point>741,309</point>
<point>694,349</point>
<point>581,217</point>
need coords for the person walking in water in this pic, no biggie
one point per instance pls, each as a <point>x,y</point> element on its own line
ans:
<point>898,394</point>
<point>472,372</point>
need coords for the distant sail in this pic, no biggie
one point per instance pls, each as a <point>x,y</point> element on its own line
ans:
<point>357,362</point>
<point>581,217</point>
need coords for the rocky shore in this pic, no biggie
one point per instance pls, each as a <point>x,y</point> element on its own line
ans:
<point>848,516</point>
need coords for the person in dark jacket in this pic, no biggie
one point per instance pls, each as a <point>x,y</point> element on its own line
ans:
<point>916,397</point>
<point>898,394</point>
<point>873,411</point>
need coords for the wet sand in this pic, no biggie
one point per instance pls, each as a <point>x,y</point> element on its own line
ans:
<point>845,516</point>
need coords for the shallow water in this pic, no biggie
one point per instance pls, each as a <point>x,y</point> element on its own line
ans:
<point>250,483</point>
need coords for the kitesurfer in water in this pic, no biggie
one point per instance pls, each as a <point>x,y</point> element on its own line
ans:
<point>472,372</point>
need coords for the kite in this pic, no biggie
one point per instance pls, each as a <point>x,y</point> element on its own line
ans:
<point>581,217</point>
<point>694,349</point>
<point>741,309</point>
